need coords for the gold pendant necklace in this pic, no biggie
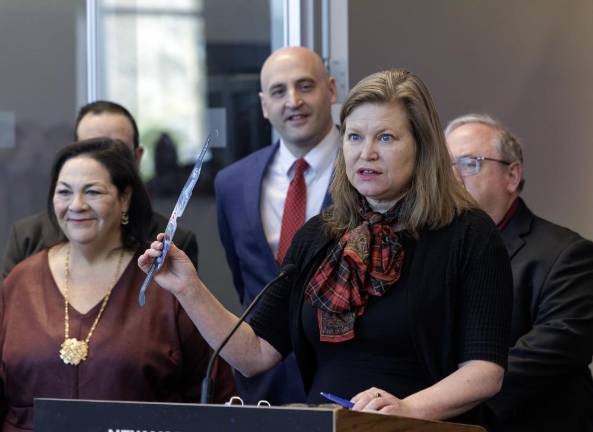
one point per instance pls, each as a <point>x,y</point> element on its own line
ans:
<point>74,351</point>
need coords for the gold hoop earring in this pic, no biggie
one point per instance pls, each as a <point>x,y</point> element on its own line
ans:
<point>125,219</point>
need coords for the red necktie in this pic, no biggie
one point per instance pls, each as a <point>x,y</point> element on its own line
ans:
<point>295,207</point>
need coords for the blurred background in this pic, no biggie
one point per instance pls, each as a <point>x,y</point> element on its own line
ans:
<point>187,67</point>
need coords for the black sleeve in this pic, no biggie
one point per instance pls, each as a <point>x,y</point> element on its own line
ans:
<point>272,319</point>
<point>485,296</point>
<point>561,339</point>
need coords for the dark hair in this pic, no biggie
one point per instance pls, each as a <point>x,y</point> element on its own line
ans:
<point>103,106</point>
<point>118,159</point>
<point>434,196</point>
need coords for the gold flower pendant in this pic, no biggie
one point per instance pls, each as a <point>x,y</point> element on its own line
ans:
<point>74,351</point>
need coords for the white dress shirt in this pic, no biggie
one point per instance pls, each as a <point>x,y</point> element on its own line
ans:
<point>279,174</point>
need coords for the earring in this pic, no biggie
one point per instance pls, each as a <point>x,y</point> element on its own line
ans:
<point>125,219</point>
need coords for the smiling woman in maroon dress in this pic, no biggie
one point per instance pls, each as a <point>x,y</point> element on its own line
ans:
<point>70,324</point>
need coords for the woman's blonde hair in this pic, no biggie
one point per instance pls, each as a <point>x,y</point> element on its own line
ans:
<point>435,196</point>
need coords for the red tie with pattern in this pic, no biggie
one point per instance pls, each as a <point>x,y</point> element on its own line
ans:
<point>295,207</point>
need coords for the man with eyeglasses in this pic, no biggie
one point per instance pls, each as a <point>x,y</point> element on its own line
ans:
<point>548,385</point>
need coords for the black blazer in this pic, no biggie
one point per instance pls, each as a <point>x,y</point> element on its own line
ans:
<point>548,386</point>
<point>35,233</point>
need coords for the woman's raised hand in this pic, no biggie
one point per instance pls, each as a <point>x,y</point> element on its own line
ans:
<point>177,272</point>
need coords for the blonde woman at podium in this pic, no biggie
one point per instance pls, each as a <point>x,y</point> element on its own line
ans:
<point>401,298</point>
<point>70,324</point>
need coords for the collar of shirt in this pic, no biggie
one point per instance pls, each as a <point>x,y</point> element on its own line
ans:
<point>509,215</point>
<point>277,178</point>
<point>319,157</point>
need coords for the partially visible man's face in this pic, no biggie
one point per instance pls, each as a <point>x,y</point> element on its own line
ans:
<point>110,125</point>
<point>491,187</point>
<point>296,97</point>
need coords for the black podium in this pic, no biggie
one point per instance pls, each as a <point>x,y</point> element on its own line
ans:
<point>59,415</point>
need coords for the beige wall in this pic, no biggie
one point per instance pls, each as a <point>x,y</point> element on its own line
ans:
<point>528,63</point>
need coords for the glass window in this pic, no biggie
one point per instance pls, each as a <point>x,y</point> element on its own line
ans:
<point>151,60</point>
<point>184,68</point>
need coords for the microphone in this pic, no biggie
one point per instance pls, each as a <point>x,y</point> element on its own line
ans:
<point>207,382</point>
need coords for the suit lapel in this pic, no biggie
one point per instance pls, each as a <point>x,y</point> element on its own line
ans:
<point>252,195</point>
<point>518,227</point>
<point>327,201</point>
<point>252,189</point>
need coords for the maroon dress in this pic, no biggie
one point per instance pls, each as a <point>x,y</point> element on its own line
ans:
<point>150,353</point>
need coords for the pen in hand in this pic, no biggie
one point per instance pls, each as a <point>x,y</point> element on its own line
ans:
<point>340,401</point>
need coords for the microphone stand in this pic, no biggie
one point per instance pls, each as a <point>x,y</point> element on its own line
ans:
<point>207,382</point>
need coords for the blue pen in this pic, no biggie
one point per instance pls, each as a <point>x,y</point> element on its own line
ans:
<point>345,403</point>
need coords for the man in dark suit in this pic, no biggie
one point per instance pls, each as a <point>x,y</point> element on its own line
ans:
<point>548,385</point>
<point>34,233</point>
<point>260,198</point>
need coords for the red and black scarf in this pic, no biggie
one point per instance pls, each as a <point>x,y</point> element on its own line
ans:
<point>366,261</point>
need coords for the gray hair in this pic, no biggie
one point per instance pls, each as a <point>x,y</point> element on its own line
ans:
<point>507,144</point>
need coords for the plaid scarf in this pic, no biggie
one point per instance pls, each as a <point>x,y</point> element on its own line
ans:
<point>366,261</point>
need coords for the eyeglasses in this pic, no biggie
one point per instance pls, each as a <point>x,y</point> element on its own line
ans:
<point>471,165</point>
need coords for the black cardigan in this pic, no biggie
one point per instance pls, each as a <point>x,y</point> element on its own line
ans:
<point>459,293</point>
